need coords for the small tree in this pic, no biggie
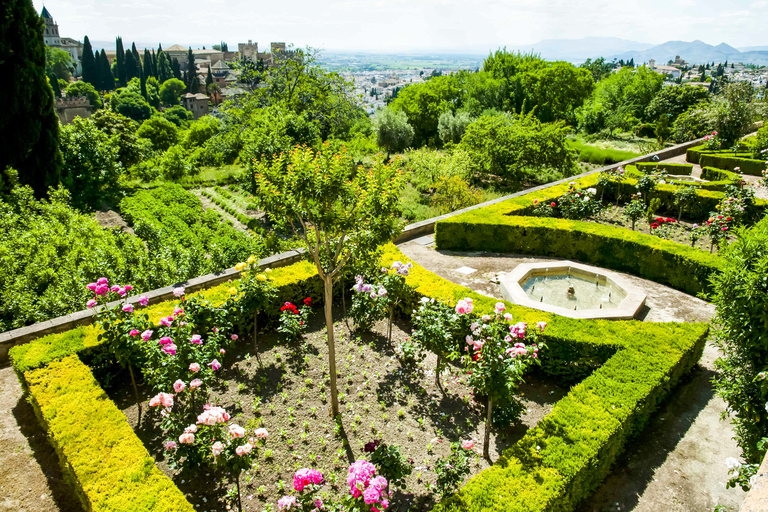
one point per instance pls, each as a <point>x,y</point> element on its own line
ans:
<point>434,325</point>
<point>634,211</point>
<point>684,198</point>
<point>500,355</point>
<point>339,210</point>
<point>393,132</point>
<point>171,91</point>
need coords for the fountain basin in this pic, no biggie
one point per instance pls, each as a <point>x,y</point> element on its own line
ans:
<point>686,178</point>
<point>596,292</point>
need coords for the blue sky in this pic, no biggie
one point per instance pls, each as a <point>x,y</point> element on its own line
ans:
<point>417,25</point>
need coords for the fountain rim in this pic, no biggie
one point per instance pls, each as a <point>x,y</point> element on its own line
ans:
<point>627,309</point>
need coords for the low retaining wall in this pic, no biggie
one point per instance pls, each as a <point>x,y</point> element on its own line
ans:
<point>757,498</point>
<point>22,335</point>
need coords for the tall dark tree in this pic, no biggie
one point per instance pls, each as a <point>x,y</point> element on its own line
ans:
<point>120,61</point>
<point>154,64</point>
<point>224,47</point>
<point>209,78</point>
<point>54,81</point>
<point>148,71</point>
<point>29,127</point>
<point>132,69</point>
<point>191,68</point>
<point>164,71</point>
<point>135,53</point>
<point>106,77</point>
<point>90,67</point>
<point>194,85</point>
<point>176,67</point>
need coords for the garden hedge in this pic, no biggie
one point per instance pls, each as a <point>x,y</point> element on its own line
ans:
<point>719,175</point>
<point>668,167</point>
<point>727,161</point>
<point>633,367</point>
<point>102,459</point>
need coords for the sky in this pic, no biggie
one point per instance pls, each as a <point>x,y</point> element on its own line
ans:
<point>470,26</point>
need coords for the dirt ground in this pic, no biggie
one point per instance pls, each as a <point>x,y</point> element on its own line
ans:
<point>30,478</point>
<point>384,399</point>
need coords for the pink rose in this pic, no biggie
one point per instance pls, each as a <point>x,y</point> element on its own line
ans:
<point>196,339</point>
<point>102,281</point>
<point>215,364</point>
<point>128,288</point>
<point>286,503</point>
<point>170,349</point>
<point>166,321</point>
<point>243,450</point>
<point>196,383</point>
<point>236,431</point>
<point>468,444</point>
<point>178,292</point>
<point>234,337</point>
<point>187,438</point>
<point>499,307</point>
<point>143,300</point>
<point>128,308</point>
<point>91,286</point>
<point>134,332</point>
<point>179,386</point>
<point>217,449</point>
<point>541,325</point>
<point>194,367</point>
<point>91,303</point>
<point>146,335</point>
<point>261,433</point>
<point>191,429</point>
<point>164,399</point>
<point>170,445</point>
<point>178,311</point>
<point>165,340</point>
<point>115,288</point>
<point>222,351</point>
<point>122,292</point>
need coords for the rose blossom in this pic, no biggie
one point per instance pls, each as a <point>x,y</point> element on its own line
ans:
<point>170,349</point>
<point>217,449</point>
<point>236,431</point>
<point>187,438</point>
<point>115,288</point>
<point>146,335</point>
<point>196,383</point>
<point>215,364</point>
<point>178,292</point>
<point>91,286</point>
<point>499,307</point>
<point>286,503</point>
<point>170,445</point>
<point>164,399</point>
<point>165,340</point>
<point>234,337</point>
<point>91,303</point>
<point>196,340</point>
<point>194,367</point>
<point>468,444</point>
<point>166,321</point>
<point>261,433</point>
<point>134,332</point>
<point>541,325</point>
<point>305,477</point>
<point>243,450</point>
<point>143,300</point>
<point>191,429</point>
<point>179,386</point>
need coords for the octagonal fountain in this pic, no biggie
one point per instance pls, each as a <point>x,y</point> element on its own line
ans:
<point>573,290</point>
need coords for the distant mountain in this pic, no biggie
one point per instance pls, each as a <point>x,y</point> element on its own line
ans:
<point>694,52</point>
<point>579,50</point>
<point>753,49</point>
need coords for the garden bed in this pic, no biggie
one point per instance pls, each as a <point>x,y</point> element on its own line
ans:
<point>401,402</point>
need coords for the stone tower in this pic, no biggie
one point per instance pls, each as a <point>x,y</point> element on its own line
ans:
<point>51,32</point>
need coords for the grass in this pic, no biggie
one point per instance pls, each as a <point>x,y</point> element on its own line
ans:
<point>600,155</point>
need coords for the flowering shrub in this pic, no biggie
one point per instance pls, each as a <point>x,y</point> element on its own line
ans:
<point>695,233</point>
<point>293,320</point>
<point>610,179</point>
<point>452,470</point>
<point>544,208</point>
<point>634,210</point>
<point>712,142</point>
<point>366,491</point>
<point>437,327</point>
<point>648,182</point>
<point>717,228</point>
<point>256,292</point>
<point>369,304</point>
<point>736,203</point>
<point>684,197</point>
<point>390,462</point>
<point>497,358</point>
<point>764,179</point>
<point>578,203</point>
<point>661,227</point>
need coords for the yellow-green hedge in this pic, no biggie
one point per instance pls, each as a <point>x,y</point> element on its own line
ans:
<point>105,463</point>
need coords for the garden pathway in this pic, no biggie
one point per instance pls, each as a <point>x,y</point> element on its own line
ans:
<point>30,478</point>
<point>678,462</point>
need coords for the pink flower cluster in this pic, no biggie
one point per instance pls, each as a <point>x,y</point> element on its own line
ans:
<point>402,268</point>
<point>101,287</point>
<point>212,415</point>
<point>244,449</point>
<point>465,306</point>
<point>517,350</point>
<point>164,399</point>
<point>286,503</point>
<point>305,477</point>
<point>362,483</point>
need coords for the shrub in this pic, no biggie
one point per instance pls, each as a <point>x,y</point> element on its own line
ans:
<point>669,168</point>
<point>713,174</point>
<point>730,162</point>
<point>160,131</point>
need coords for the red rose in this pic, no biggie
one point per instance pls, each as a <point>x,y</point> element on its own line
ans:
<point>553,205</point>
<point>670,220</point>
<point>654,225</point>
<point>308,301</point>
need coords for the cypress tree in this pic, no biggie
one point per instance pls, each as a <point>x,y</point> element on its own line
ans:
<point>29,127</point>
<point>154,64</point>
<point>194,85</point>
<point>120,61</point>
<point>90,72</point>
<point>132,69</point>
<point>135,54</point>
<point>176,68</point>
<point>164,71</point>
<point>191,68</point>
<point>209,78</point>
<point>147,64</point>
<point>107,79</point>
<point>54,81</point>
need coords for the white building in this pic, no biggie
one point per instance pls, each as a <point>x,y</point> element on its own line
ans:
<point>51,38</point>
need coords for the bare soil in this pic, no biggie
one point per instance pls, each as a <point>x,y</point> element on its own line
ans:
<point>383,399</point>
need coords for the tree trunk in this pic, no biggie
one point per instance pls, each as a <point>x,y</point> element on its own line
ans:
<point>437,373</point>
<point>328,284</point>
<point>486,441</point>
<point>135,388</point>
<point>256,337</point>
<point>239,503</point>
<point>389,328</point>
<point>680,214</point>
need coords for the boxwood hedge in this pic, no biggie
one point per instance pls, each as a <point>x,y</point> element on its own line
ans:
<point>668,167</point>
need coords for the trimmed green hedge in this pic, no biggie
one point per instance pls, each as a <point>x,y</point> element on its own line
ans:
<point>718,175</point>
<point>102,459</point>
<point>676,265</point>
<point>725,161</point>
<point>668,167</point>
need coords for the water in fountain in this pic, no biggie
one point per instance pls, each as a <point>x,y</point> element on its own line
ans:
<point>589,293</point>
